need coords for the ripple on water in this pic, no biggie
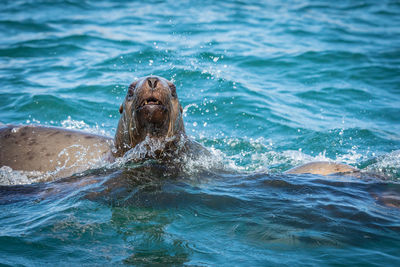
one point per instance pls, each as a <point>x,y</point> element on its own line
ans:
<point>265,85</point>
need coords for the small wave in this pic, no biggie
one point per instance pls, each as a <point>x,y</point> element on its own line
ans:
<point>26,25</point>
<point>27,51</point>
<point>147,54</point>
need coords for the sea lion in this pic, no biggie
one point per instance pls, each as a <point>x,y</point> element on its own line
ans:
<point>50,149</point>
<point>151,125</point>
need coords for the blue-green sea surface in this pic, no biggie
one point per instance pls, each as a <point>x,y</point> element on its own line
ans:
<point>265,86</point>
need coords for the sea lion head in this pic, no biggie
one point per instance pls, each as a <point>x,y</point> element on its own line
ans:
<point>151,108</point>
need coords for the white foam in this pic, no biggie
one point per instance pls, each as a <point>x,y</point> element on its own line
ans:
<point>8,176</point>
<point>146,149</point>
<point>387,165</point>
<point>259,155</point>
<point>216,160</point>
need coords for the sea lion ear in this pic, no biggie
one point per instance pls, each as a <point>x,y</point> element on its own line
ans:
<point>121,109</point>
<point>131,90</point>
<point>172,87</point>
<point>133,85</point>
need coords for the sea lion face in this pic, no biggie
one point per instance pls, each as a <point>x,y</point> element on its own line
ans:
<point>151,108</point>
<point>152,100</point>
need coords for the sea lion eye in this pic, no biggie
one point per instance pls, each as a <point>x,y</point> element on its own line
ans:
<point>130,93</point>
<point>131,90</point>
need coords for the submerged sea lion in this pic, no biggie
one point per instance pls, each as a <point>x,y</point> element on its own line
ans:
<point>150,125</point>
<point>323,168</point>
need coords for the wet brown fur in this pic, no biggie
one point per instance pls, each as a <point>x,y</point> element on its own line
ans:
<point>132,129</point>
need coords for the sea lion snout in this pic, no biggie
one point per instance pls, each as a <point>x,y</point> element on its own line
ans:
<point>152,82</point>
<point>153,103</point>
<point>152,92</point>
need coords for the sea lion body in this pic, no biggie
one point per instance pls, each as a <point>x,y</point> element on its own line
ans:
<point>48,149</point>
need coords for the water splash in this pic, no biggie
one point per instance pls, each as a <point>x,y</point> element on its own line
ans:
<point>10,177</point>
<point>387,165</point>
<point>71,124</point>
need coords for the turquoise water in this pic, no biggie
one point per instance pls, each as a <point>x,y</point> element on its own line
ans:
<point>265,85</point>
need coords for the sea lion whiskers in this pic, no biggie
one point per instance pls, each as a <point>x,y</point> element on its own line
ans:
<point>175,121</point>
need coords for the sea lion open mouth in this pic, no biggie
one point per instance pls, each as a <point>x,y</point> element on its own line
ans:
<point>152,111</point>
<point>151,101</point>
<point>151,104</point>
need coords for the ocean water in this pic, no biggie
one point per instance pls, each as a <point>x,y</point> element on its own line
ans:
<point>265,86</point>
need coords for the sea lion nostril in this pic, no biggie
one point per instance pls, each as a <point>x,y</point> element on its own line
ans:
<point>152,82</point>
